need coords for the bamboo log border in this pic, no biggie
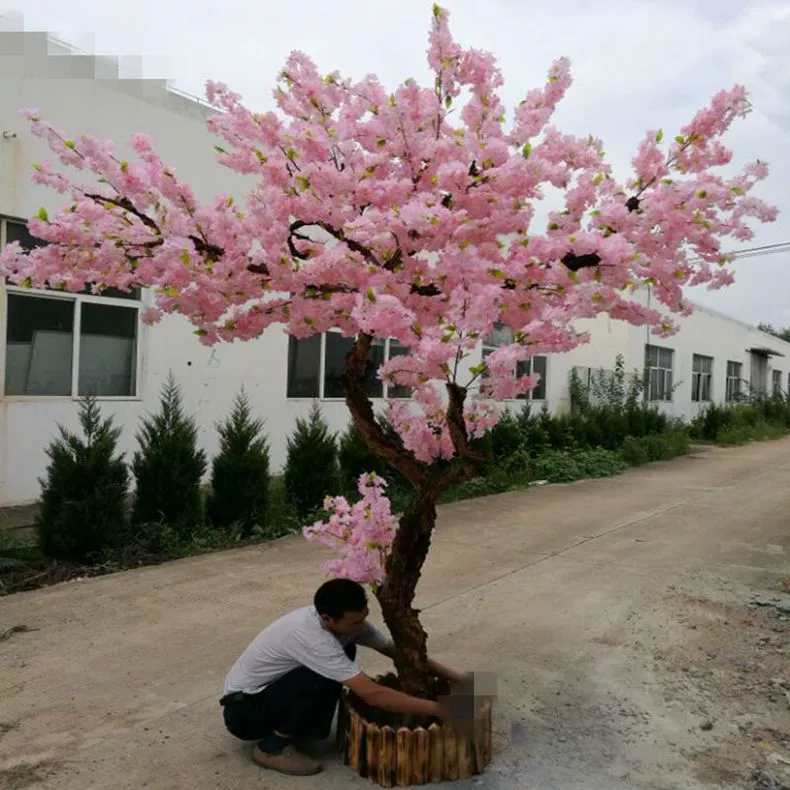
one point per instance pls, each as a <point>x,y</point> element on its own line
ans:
<point>407,757</point>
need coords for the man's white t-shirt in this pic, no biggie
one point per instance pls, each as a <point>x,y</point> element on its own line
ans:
<point>298,639</point>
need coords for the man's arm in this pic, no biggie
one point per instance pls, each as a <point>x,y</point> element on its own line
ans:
<point>379,696</point>
<point>438,669</point>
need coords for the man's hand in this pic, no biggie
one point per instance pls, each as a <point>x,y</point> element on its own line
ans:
<point>445,673</point>
<point>437,669</point>
<point>379,696</point>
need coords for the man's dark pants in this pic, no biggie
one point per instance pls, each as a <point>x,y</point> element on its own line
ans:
<point>300,704</point>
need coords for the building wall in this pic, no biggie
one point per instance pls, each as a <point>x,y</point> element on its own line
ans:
<point>68,93</point>
<point>81,95</point>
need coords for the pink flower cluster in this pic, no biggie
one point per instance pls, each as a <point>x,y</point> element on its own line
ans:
<point>405,213</point>
<point>362,533</point>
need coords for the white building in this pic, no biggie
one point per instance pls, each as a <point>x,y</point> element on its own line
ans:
<point>56,347</point>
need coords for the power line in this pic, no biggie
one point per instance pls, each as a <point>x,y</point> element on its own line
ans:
<point>756,252</point>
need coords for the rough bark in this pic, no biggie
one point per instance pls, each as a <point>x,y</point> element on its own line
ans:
<point>396,595</point>
<point>413,539</point>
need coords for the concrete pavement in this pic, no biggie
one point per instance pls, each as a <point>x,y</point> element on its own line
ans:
<point>568,592</point>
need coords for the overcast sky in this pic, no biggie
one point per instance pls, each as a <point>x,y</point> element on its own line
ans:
<point>637,64</point>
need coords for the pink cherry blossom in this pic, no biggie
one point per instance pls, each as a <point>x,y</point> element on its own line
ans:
<point>404,212</point>
<point>361,533</point>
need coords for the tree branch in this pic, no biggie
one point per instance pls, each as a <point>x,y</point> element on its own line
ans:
<point>576,262</point>
<point>364,418</point>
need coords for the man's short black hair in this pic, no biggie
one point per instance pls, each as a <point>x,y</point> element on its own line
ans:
<point>337,597</point>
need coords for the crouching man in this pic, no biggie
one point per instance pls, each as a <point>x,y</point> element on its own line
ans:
<point>287,683</point>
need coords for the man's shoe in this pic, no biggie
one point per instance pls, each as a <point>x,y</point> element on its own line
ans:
<point>289,761</point>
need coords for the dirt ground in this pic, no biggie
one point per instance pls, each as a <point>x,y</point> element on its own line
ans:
<point>639,627</point>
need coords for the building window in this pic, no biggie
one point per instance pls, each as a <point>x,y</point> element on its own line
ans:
<point>734,378</point>
<point>701,378</point>
<point>12,230</point>
<point>68,345</point>
<point>304,367</point>
<point>776,382</point>
<point>659,364</point>
<point>500,336</point>
<point>316,365</point>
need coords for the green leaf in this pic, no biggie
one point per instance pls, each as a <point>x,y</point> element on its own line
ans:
<point>261,156</point>
<point>70,144</point>
<point>476,370</point>
<point>680,139</point>
<point>553,226</point>
<point>659,135</point>
<point>448,102</point>
<point>526,150</point>
<point>42,214</point>
<point>381,142</point>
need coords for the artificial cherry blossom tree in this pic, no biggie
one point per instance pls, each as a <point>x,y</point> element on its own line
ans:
<point>405,214</point>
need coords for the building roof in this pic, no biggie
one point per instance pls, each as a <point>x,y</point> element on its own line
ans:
<point>44,55</point>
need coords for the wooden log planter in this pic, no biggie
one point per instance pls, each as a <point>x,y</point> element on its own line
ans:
<point>403,756</point>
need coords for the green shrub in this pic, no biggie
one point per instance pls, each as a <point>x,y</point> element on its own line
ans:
<point>505,437</point>
<point>555,466</point>
<point>356,458</point>
<point>597,462</point>
<point>240,472</point>
<point>282,518</point>
<point>636,451</point>
<point>169,467</point>
<point>495,481</point>
<point>83,495</point>
<point>742,434</point>
<point>311,470</point>
<point>744,421</point>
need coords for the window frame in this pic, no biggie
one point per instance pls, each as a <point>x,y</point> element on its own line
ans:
<point>667,392</point>
<point>700,378</point>
<point>321,374</point>
<point>733,381</point>
<point>128,303</point>
<point>776,382</point>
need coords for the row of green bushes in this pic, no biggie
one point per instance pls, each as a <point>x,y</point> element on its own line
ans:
<point>88,515</point>
<point>747,421</point>
<point>86,510</point>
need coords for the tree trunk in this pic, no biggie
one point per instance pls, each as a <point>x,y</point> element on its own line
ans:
<point>396,595</point>
<point>413,538</point>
